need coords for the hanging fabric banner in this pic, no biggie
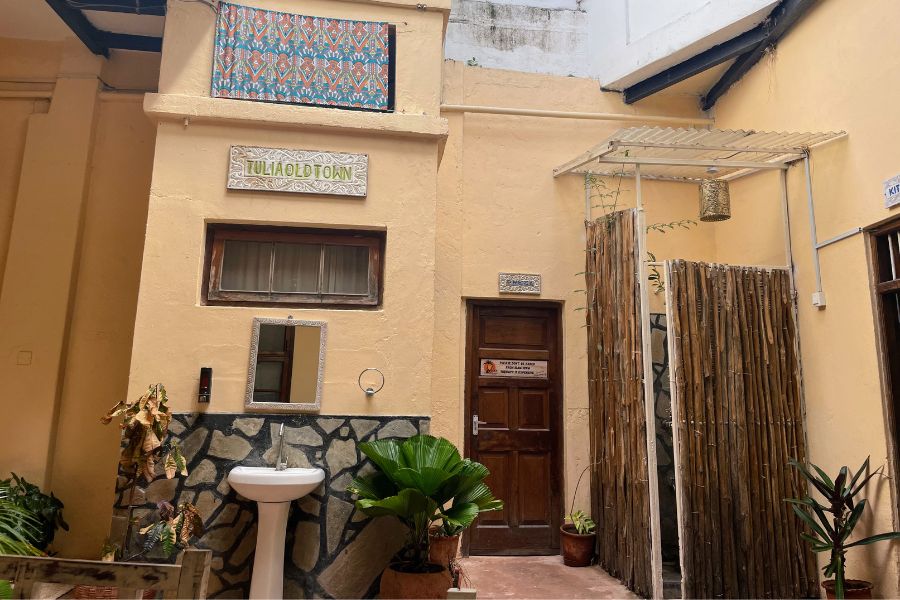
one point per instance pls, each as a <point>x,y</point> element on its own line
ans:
<point>282,57</point>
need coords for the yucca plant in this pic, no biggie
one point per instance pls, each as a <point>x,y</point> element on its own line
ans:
<point>422,481</point>
<point>832,523</point>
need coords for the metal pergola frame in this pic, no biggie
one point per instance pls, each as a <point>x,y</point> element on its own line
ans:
<point>774,157</point>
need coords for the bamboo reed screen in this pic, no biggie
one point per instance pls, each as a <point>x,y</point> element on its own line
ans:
<point>738,419</point>
<point>619,492</point>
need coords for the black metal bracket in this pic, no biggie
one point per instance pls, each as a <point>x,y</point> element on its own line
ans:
<point>748,47</point>
<point>98,41</point>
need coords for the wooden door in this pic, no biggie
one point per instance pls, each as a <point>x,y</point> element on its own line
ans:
<point>514,388</point>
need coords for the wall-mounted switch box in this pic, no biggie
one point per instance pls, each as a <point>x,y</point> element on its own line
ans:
<point>818,299</point>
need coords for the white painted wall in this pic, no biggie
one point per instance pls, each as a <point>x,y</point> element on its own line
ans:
<point>618,42</point>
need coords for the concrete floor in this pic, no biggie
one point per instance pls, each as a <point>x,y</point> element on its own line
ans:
<point>537,577</point>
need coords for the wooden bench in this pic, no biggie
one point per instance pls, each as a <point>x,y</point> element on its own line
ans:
<point>185,580</point>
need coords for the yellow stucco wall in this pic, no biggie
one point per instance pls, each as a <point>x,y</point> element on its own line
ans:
<point>175,335</point>
<point>832,72</point>
<point>73,197</point>
<point>500,209</point>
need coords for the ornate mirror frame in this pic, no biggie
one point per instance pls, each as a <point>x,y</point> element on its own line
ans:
<point>284,407</point>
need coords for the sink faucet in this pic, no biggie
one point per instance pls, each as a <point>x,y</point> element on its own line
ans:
<point>280,463</point>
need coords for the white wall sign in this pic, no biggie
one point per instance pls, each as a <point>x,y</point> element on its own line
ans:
<point>519,283</point>
<point>892,192</point>
<point>300,171</point>
<point>502,367</point>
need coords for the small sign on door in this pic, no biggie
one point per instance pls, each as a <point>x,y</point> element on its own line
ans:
<point>502,367</point>
<point>892,192</point>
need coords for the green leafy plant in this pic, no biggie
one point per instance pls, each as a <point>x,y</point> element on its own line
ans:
<point>47,509</point>
<point>833,521</point>
<point>174,529</point>
<point>19,528</point>
<point>584,525</point>
<point>609,203</point>
<point>422,481</point>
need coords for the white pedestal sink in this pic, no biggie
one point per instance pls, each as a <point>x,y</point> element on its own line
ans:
<point>273,492</point>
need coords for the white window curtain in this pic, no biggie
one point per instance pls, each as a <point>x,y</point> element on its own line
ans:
<point>346,270</point>
<point>296,268</point>
<point>245,266</point>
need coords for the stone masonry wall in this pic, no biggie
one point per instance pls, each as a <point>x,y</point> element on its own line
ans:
<point>333,551</point>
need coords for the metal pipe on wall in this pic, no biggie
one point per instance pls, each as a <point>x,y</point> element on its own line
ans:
<point>564,114</point>
<point>649,398</point>
<point>818,298</point>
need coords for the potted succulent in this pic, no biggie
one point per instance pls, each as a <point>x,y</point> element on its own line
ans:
<point>422,481</point>
<point>578,537</point>
<point>831,524</point>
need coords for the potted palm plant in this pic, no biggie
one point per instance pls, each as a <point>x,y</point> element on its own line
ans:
<point>422,481</point>
<point>831,524</point>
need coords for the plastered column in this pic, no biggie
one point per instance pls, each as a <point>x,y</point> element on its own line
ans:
<point>39,277</point>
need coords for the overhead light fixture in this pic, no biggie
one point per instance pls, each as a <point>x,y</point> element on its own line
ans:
<point>715,200</point>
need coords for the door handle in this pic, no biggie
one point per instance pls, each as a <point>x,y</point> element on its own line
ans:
<point>476,423</point>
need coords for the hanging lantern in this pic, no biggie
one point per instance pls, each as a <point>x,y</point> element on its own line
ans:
<point>715,202</point>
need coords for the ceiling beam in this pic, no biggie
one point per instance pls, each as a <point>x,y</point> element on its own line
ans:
<point>748,48</point>
<point>694,65</point>
<point>99,41</point>
<point>89,35</point>
<point>127,41</point>
<point>779,22</point>
<point>136,7</point>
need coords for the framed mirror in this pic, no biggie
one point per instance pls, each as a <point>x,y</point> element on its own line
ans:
<point>287,362</point>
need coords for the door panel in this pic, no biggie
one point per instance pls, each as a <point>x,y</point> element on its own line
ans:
<point>513,386</point>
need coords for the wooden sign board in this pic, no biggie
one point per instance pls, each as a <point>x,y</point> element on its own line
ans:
<point>298,171</point>
<point>503,367</point>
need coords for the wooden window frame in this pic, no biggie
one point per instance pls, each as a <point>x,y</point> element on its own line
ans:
<point>886,350</point>
<point>218,234</point>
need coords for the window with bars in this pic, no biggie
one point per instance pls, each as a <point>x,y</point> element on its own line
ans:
<point>290,266</point>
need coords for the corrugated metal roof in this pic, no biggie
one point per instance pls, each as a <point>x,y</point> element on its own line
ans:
<point>710,146</point>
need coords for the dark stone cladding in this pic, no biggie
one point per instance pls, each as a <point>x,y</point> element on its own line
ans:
<point>332,550</point>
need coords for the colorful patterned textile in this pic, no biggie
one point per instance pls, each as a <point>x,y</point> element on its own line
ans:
<point>282,57</point>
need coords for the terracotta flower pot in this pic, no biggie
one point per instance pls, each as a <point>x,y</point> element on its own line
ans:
<point>407,586</point>
<point>853,588</point>
<point>577,550</point>
<point>442,550</point>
